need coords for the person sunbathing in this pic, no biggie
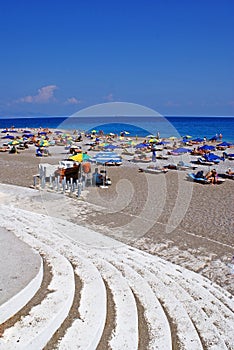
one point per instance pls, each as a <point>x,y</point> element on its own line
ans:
<point>212,176</point>
<point>229,172</point>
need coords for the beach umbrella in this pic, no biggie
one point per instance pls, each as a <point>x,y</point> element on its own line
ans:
<point>21,140</point>
<point>212,158</point>
<point>44,143</point>
<point>131,142</point>
<point>110,147</point>
<point>207,148</point>
<point>93,131</point>
<point>27,135</point>
<point>225,144</point>
<point>105,157</point>
<point>150,136</point>
<point>80,157</point>
<point>185,140</point>
<point>153,140</point>
<point>85,157</point>
<point>14,142</point>
<point>214,138</point>
<point>11,130</point>
<point>172,138</point>
<point>114,160</point>
<point>198,139</point>
<point>10,137</point>
<point>65,135</point>
<point>163,143</point>
<point>187,137</point>
<point>142,145</point>
<point>181,150</point>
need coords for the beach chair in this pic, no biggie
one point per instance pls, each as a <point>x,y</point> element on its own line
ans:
<point>192,177</point>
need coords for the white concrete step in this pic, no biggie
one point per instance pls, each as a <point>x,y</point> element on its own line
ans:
<point>213,321</point>
<point>125,334</point>
<point>35,330</point>
<point>220,316</point>
<point>224,297</point>
<point>153,280</point>
<point>217,304</point>
<point>19,300</point>
<point>126,331</point>
<point>86,332</point>
<point>186,331</point>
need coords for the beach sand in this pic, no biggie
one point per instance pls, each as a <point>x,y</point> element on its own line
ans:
<point>22,265</point>
<point>143,210</point>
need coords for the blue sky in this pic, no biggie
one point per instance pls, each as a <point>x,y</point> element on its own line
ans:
<point>58,57</point>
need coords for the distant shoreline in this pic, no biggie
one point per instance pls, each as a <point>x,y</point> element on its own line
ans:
<point>129,116</point>
<point>178,126</point>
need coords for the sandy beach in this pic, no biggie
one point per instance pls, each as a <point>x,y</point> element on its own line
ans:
<point>185,223</point>
<point>202,240</point>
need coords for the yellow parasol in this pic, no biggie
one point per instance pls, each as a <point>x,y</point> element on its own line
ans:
<point>14,142</point>
<point>153,140</point>
<point>80,157</point>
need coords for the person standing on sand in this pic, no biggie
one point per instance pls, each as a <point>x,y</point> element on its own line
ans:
<point>153,150</point>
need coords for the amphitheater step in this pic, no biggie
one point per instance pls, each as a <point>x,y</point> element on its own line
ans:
<point>37,327</point>
<point>11,306</point>
<point>86,331</point>
<point>125,333</point>
<point>212,320</point>
<point>181,309</point>
<point>163,307</point>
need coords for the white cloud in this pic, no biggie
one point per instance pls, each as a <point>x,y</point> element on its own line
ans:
<point>72,101</point>
<point>44,95</point>
<point>109,97</point>
<point>172,104</point>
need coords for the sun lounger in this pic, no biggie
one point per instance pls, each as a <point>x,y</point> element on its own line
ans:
<point>153,170</point>
<point>128,153</point>
<point>192,177</point>
<point>162,157</point>
<point>227,176</point>
<point>185,166</point>
<point>204,162</point>
<point>141,160</point>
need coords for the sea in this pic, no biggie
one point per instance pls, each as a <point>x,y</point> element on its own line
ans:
<point>169,126</point>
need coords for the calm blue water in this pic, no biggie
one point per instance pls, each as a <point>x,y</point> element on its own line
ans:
<point>141,126</point>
